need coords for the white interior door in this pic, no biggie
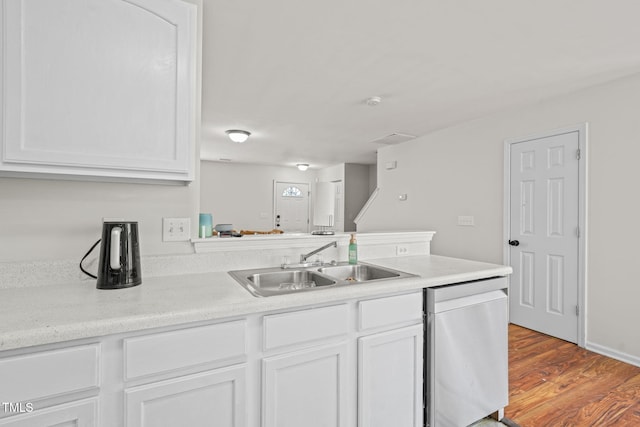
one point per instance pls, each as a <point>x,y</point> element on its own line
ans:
<point>291,207</point>
<point>544,234</point>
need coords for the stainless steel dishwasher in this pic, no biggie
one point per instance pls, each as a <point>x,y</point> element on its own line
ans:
<point>466,360</point>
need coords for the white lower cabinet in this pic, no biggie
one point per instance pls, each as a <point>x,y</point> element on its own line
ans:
<point>306,388</point>
<point>212,398</point>
<point>390,378</point>
<point>362,361</point>
<point>50,387</point>
<point>358,362</point>
<point>79,414</point>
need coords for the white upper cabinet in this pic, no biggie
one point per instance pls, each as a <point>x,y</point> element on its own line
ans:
<point>102,88</point>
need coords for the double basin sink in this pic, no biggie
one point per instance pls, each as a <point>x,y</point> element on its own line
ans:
<point>278,281</point>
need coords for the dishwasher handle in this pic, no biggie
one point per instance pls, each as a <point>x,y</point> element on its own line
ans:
<point>466,301</point>
<point>438,294</point>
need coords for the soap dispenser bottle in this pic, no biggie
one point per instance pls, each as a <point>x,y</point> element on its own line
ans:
<point>353,250</point>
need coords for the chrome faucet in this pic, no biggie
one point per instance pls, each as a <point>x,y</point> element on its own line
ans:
<point>303,257</point>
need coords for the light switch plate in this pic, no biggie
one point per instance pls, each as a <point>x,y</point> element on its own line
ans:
<point>176,229</point>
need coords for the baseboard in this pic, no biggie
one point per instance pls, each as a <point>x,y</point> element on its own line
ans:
<point>614,354</point>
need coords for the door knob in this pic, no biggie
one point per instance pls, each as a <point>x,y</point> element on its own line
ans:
<point>514,243</point>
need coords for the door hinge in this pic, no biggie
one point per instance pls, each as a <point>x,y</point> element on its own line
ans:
<point>577,310</point>
<point>578,154</point>
<point>578,232</point>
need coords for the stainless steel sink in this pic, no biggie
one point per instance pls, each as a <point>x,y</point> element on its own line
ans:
<point>264,282</point>
<point>359,272</point>
<point>276,281</point>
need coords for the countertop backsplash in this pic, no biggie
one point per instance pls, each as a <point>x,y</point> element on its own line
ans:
<point>244,254</point>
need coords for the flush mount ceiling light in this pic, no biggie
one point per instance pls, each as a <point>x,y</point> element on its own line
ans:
<point>238,135</point>
<point>302,166</point>
<point>373,101</point>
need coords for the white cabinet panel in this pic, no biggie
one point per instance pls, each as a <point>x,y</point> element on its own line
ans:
<point>390,378</point>
<point>318,323</point>
<point>393,310</point>
<point>77,414</point>
<point>307,388</point>
<point>99,87</point>
<point>49,373</point>
<point>213,398</point>
<point>148,354</point>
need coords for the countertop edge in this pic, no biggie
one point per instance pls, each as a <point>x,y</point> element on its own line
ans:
<point>26,331</point>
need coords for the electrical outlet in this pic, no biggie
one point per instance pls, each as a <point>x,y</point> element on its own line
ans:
<point>176,229</point>
<point>468,221</point>
<point>402,250</point>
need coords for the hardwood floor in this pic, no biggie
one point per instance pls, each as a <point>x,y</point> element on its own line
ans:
<point>556,383</point>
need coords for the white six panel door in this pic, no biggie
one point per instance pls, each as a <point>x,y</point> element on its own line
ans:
<point>544,222</point>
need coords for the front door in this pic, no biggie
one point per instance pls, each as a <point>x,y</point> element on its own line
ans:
<point>291,207</point>
<point>544,246</point>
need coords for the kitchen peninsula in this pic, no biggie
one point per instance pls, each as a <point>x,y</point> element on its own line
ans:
<point>75,352</point>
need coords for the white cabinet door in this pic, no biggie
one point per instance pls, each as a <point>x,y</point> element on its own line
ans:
<point>306,388</point>
<point>79,414</point>
<point>213,398</point>
<point>99,87</point>
<point>390,378</point>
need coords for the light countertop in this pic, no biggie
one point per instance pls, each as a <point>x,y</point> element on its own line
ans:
<point>48,314</point>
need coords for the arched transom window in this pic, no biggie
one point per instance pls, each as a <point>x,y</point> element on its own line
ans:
<point>292,191</point>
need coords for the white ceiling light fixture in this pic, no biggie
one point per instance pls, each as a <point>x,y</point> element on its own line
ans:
<point>302,166</point>
<point>373,101</point>
<point>237,135</point>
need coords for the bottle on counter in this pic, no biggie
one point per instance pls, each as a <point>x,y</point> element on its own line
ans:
<point>353,250</point>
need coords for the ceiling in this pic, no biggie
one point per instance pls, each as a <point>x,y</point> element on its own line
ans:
<point>296,73</point>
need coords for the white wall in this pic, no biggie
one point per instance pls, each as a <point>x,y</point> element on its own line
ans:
<point>49,219</point>
<point>459,171</point>
<point>53,219</point>
<point>331,173</point>
<point>242,194</point>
